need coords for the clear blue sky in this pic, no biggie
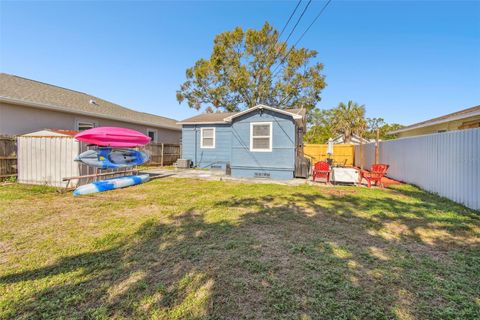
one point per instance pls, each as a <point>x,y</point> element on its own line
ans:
<point>406,61</point>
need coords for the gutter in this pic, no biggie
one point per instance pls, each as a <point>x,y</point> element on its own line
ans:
<point>453,118</point>
<point>80,112</point>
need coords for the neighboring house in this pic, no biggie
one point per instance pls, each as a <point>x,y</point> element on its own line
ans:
<point>261,142</point>
<point>463,119</point>
<point>340,139</point>
<point>28,106</point>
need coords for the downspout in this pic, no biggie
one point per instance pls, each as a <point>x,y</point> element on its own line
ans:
<point>195,132</point>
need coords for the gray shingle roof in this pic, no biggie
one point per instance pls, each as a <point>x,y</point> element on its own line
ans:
<point>220,116</point>
<point>31,92</point>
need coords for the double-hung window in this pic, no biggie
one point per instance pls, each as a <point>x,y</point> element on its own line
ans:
<point>207,138</point>
<point>261,136</point>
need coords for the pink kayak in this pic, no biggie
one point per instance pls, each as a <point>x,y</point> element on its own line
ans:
<point>113,137</point>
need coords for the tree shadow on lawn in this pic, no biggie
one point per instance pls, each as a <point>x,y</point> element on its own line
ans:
<point>298,255</point>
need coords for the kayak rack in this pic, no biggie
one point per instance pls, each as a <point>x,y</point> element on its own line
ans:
<point>96,175</point>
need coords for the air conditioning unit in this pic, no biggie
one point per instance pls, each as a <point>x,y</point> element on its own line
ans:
<point>183,163</point>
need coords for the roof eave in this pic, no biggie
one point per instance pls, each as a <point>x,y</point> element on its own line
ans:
<point>201,122</point>
<point>429,124</point>
<point>80,112</point>
<point>261,106</point>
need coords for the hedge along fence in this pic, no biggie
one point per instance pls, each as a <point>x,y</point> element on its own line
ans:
<point>342,153</point>
<point>8,157</point>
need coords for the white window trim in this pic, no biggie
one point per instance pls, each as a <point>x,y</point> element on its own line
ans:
<point>155,131</point>
<point>78,121</point>
<point>201,138</point>
<point>251,137</point>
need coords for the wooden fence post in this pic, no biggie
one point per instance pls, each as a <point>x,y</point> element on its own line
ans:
<point>161,161</point>
<point>377,146</point>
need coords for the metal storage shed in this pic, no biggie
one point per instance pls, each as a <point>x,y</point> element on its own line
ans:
<point>46,156</point>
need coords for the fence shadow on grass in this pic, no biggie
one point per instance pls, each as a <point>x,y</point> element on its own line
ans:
<point>312,255</point>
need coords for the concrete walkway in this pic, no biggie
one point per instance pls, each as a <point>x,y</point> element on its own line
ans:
<point>217,175</point>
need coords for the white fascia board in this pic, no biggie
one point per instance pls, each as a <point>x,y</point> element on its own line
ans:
<point>203,122</point>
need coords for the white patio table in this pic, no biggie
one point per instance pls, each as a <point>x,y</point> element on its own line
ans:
<point>345,175</point>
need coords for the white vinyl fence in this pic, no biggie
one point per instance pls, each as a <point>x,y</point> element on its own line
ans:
<point>444,163</point>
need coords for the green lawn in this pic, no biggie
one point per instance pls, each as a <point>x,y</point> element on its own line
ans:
<point>187,249</point>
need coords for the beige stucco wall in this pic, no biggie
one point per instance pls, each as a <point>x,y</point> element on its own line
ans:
<point>17,120</point>
<point>448,126</point>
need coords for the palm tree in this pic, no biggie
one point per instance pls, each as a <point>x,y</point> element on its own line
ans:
<point>349,119</point>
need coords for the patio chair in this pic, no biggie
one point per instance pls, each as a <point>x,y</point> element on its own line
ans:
<point>376,173</point>
<point>321,169</point>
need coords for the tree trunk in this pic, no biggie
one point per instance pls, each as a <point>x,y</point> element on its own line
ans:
<point>348,136</point>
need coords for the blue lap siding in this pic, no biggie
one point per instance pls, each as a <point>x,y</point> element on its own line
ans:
<point>232,146</point>
<point>280,162</point>
<point>203,157</point>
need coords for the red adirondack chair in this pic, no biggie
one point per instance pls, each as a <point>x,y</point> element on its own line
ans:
<point>376,173</point>
<point>321,169</point>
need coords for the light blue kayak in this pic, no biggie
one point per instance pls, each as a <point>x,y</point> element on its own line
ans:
<point>111,184</point>
<point>110,158</point>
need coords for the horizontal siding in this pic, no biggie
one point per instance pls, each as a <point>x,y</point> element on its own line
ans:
<point>282,156</point>
<point>204,158</point>
<point>444,163</point>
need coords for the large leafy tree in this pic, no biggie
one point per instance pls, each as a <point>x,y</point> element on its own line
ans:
<point>383,128</point>
<point>319,126</point>
<point>250,67</point>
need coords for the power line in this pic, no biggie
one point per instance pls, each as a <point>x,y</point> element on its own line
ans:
<point>294,27</point>
<point>290,18</point>
<point>314,20</point>
<point>298,20</point>
<point>301,37</point>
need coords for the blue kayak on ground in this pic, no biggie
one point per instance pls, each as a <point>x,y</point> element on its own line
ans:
<point>111,184</point>
<point>111,158</point>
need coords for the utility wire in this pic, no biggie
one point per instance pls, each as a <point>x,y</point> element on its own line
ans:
<point>290,18</point>
<point>298,20</point>
<point>301,37</point>
<point>294,27</point>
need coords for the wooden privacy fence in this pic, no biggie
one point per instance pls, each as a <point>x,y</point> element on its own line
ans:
<point>342,153</point>
<point>8,157</point>
<point>162,154</point>
<point>444,163</point>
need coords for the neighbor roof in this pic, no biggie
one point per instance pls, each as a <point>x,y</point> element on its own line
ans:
<point>22,91</point>
<point>462,114</point>
<point>225,117</point>
<point>52,133</point>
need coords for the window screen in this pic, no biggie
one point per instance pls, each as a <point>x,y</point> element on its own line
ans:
<point>208,138</point>
<point>261,137</point>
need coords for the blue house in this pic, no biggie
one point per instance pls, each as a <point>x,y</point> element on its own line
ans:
<point>261,142</point>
